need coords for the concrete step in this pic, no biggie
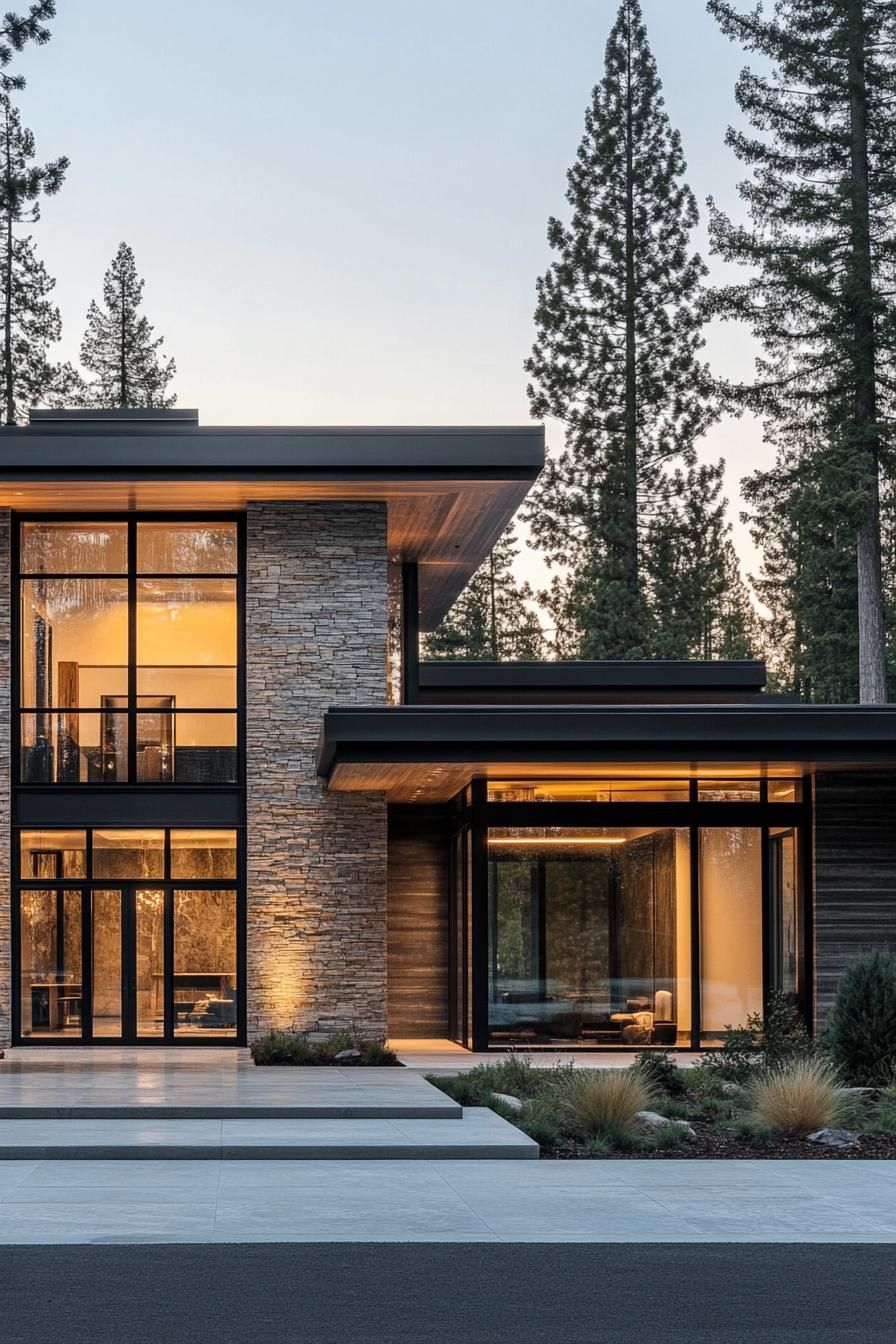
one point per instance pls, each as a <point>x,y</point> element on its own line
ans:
<point>480,1134</point>
<point>85,1093</point>
<point>152,1111</point>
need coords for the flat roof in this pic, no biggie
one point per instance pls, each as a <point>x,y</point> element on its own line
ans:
<point>678,677</point>
<point>428,752</point>
<point>450,490</point>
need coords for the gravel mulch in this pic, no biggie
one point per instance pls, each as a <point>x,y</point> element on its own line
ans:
<point>711,1141</point>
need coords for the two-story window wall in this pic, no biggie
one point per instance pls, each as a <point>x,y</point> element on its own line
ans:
<point>127,850</point>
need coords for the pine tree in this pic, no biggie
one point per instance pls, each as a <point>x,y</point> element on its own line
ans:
<point>31,322</point>
<point>822,254</point>
<point>807,580</point>
<point>119,348</point>
<point>617,354</point>
<point>16,31</point>
<point>699,604</point>
<point>491,620</point>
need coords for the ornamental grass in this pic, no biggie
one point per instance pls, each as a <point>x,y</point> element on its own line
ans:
<point>600,1102</point>
<point>800,1097</point>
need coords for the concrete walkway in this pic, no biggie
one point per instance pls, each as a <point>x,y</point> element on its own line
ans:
<point>601,1201</point>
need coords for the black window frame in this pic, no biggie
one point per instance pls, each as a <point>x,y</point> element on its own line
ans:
<point>132,577</point>
<point>87,884</point>
<point>474,815</point>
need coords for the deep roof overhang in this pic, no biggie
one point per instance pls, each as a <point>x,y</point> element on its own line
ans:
<point>450,490</point>
<point>423,752</point>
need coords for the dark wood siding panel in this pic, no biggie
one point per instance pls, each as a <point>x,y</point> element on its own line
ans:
<point>855,873</point>
<point>417,926</point>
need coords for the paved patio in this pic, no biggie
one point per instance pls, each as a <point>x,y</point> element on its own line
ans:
<point>604,1201</point>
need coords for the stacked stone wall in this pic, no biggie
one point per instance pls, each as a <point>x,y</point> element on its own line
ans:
<point>5,877</point>
<point>316,628</point>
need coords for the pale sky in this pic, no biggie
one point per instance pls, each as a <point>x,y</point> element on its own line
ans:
<point>339,209</point>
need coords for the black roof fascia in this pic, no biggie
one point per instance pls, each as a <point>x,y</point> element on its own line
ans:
<point>827,733</point>
<point>629,674</point>
<point>72,450</point>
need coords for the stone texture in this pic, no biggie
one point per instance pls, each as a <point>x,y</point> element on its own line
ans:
<point>652,1120</point>
<point>5,889</point>
<point>835,1138</point>
<point>316,626</point>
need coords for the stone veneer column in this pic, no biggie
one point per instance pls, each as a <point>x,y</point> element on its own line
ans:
<point>6,987</point>
<point>315,635</point>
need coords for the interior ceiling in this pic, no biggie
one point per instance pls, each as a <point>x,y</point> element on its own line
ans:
<point>447,526</point>
<point>415,783</point>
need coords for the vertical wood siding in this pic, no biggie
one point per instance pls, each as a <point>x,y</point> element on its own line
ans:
<point>417,925</point>
<point>855,873</point>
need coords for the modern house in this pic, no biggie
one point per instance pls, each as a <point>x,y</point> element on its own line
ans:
<point>231,797</point>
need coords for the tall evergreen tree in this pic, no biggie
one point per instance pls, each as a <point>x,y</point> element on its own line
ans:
<point>30,320</point>
<point>16,31</point>
<point>807,579</point>
<point>698,602</point>
<point>491,619</point>
<point>822,255</point>
<point>617,354</point>
<point>119,348</point>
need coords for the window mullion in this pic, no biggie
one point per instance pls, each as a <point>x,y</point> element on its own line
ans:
<point>132,650</point>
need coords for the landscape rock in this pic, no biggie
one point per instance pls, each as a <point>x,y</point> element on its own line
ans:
<point>835,1138</point>
<point>863,1093</point>
<point>345,1055</point>
<point>653,1120</point>
<point>513,1102</point>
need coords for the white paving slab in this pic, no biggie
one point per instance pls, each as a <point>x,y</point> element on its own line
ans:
<point>480,1134</point>
<point>601,1201</point>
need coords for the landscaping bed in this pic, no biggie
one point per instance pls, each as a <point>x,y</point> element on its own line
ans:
<point>771,1091</point>
<point>312,1049</point>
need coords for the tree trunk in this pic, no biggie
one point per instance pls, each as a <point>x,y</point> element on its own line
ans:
<point>872,638</point>
<point>630,465</point>
<point>123,362</point>
<point>9,397</point>
<point>492,607</point>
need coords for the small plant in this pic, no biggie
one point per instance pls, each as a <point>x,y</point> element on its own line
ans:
<point>670,1136</point>
<point>800,1097</point>
<point>749,1127</point>
<point>602,1101</point>
<point>293,1047</point>
<point>860,1033</point>
<point>762,1042</point>
<point>282,1047</point>
<point>660,1071</point>
<point>538,1119</point>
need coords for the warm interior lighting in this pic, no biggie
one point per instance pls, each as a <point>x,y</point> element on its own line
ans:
<point>560,840</point>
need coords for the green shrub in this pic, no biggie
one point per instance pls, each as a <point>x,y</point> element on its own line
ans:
<point>282,1047</point>
<point>539,1120</point>
<point>860,1033</point>
<point>661,1073</point>
<point>763,1042</point>
<point>293,1047</point>
<point>670,1136</point>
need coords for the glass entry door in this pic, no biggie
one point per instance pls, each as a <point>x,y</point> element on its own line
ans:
<point>130,963</point>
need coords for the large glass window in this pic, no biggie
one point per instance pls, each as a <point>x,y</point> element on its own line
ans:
<point>132,676</point>
<point>127,935</point>
<point>666,929</point>
<point>589,936</point>
<point>730,927</point>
